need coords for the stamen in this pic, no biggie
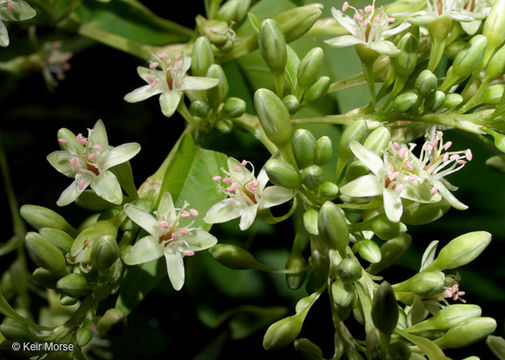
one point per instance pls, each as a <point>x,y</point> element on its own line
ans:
<point>81,184</point>
<point>409,165</point>
<point>163,224</point>
<point>358,18</point>
<point>368,9</point>
<point>434,190</point>
<point>345,6</point>
<point>396,146</point>
<point>237,169</point>
<point>454,157</point>
<point>399,189</point>
<point>185,214</point>
<point>402,152</point>
<point>98,147</point>
<point>162,55</point>
<point>183,232</point>
<point>91,156</point>
<point>62,141</point>
<point>243,163</point>
<point>468,154</point>
<point>153,64</point>
<point>10,6</point>
<point>378,20</point>
<point>188,252</point>
<point>446,157</point>
<point>217,178</point>
<point>447,145</point>
<point>392,176</point>
<point>227,180</point>
<point>178,65</point>
<point>73,161</point>
<point>81,139</point>
<point>461,162</point>
<point>390,19</point>
<point>412,177</point>
<point>193,212</point>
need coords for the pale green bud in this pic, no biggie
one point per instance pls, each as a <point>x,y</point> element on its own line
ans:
<point>16,330</point>
<point>292,103</point>
<point>297,264</point>
<point>66,300</point>
<point>405,62</point>
<point>310,67</point>
<point>83,243</point>
<point>296,22</point>
<point>310,221</point>
<point>332,227</point>
<point>494,26</point>
<point>308,350</point>
<point>312,176</point>
<point>452,100</point>
<point>435,101</point>
<point>497,345</point>
<point>496,66</point>
<point>7,286</point>
<point>342,294</point>
<point>455,48</point>
<point>426,83</point>
<point>83,335</point>
<point>497,163</point>
<point>417,213</point>
<point>234,107</point>
<point>304,147</point>
<point>199,108</point>
<point>385,308</point>
<point>405,101</point>
<point>272,45</point>
<point>373,345</point>
<point>45,278</point>
<point>492,95</point>
<point>43,253</point>
<point>327,190</point>
<point>101,291</point>
<point>448,317</point>
<point>202,56</point>
<point>59,238</point>
<point>378,140</point>
<point>283,174</point>
<point>398,350</point>
<point>317,90</point>
<point>324,150</point>
<point>233,256</point>
<point>355,131</point>
<point>217,94</point>
<point>104,253</point>
<point>228,11</point>
<point>468,61</point>
<point>224,126</point>
<point>282,332</point>
<point>369,251</point>
<point>218,32</point>
<point>74,285</point>
<point>319,258</point>
<point>112,322</point>
<point>39,217</point>
<point>243,8</point>
<point>386,229</point>
<point>391,252</point>
<point>349,270</point>
<point>467,333</point>
<point>274,117</point>
<point>424,284</point>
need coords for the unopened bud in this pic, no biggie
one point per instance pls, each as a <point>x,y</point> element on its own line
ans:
<point>307,350</point>
<point>454,49</point>
<point>405,62</point>
<point>228,11</point>
<point>234,107</point>
<point>497,163</point>
<point>398,350</point>
<point>310,221</point>
<point>274,117</point>
<point>317,90</point>
<point>112,322</point>
<point>43,253</point>
<point>435,101</point>
<point>282,332</point>
<point>342,294</point>
<point>310,67</point>
<point>424,284</point>
<point>324,150</point>
<point>378,140</point>
<point>16,330</point>
<point>202,56</point>
<point>74,285</point>
<point>369,251</point>
<point>494,26</point>
<point>45,278</point>
<point>217,94</point>
<point>332,227</point>
<point>356,131</point>
<point>385,308</point>
<point>233,256</point>
<point>66,300</point>
<point>467,333</point>
<point>297,265</point>
<point>452,100</point>
<point>199,108</point>
<point>312,176</point>
<point>83,335</point>
<point>492,95</point>
<point>468,61</point>
<point>349,270</point>
<point>449,317</point>
<point>304,147</point>
<point>292,103</point>
<point>327,190</point>
<point>218,32</point>
<point>426,83</point>
<point>496,66</point>
<point>104,253</point>
<point>296,22</point>
<point>59,238</point>
<point>224,126</point>
<point>405,101</point>
<point>283,174</point>
<point>83,243</point>
<point>39,217</point>
<point>497,345</point>
<point>391,252</point>
<point>272,45</point>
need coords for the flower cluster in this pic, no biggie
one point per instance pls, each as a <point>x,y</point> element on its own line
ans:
<point>87,161</point>
<point>167,76</point>
<point>246,195</point>
<point>369,27</point>
<point>13,10</point>
<point>167,237</point>
<point>463,11</point>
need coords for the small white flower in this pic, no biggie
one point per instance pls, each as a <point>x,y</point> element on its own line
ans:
<point>246,194</point>
<point>369,26</point>
<point>458,10</point>
<point>88,161</point>
<point>13,10</point>
<point>170,81</point>
<point>167,237</point>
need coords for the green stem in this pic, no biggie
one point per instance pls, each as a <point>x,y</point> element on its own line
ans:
<point>370,79</point>
<point>437,51</point>
<point>347,83</point>
<point>250,123</point>
<point>279,84</point>
<point>474,100</point>
<point>183,110</point>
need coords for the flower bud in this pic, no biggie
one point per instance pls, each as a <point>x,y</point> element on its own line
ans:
<point>272,45</point>
<point>497,345</point>
<point>391,252</point>
<point>467,333</point>
<point>417,213</point>
<point>386,229</point>
<point>349,270</point>
<point>234,107</point>
<point>452,100</point>
<point>83,335</point>
<point>460,251</point>
<point>112,322</point>
<point>449,317</point>
<point>327,191</point>
<point>424,284</point>
<point>492,95</point>
<point>426,83</point>
<point>59,238</point>
<point>405,101</point>
<point>296,22</point>
<point>310,67</point>
<point>74,285</point>
<point>45,278</point>
<point>16,330</point>
<point>104,253</point>
<point>83,243</point>
<point>324,150</point>
<point>369,251</point>
<point>228,11</point>
<point>283,174</point>
<point>398,350</point>
<point>304,147</point>
<point>307,350</point>
<point>291,102</point>
<point>454,49</point>
<point>199,108</point>
<point>66,300</point>
<point>218,32</point>
<point>342,294</point>
<point>39,217</point>
<point>468,61</point>
<point>332,227</point>
<point>101,291</point>
<point>497,163</point>
<point>312,176</point>
<point>373,345</point>
<point>496,66</point>
<point>435,101</point>
<point>405,62</point>
<point>282,332</point>
<point>202,56</point>
<point>317,90</point>
<point>233,256</point>
<point>494,26</point>
<point>273,116</point>
<point>217,94</point>
<point>385,308</point>
<point>310,221</point>
<point>6,285</point>
<point>297,265</point>
<point>43,253</point>
<point>355,131</point>
<point>224,126</point>
<point>378,140</point>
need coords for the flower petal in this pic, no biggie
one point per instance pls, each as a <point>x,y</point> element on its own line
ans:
<point>346,22</point>
<point>146,249</point>
<point>169,100</point>
<point>344,41</point>
<point>248,217</point>
<point>395,30</point>
<point>384,47</point>
<point>275,195</point>
<point>142,93</point>
<point>471,27</point>
<point>198,83</point>
<point>71,193</point>
<point>364,186</point>
<point>146,73</point>
<point>262,179</point>
<point>186,63</point>
<point>370,159</point>
<point>60,160</point>
<point>107,187</point>
<point>19,12</point>
<point>119,155</point>
<point>166,209</point>
<point>98,135</point>
<point>198,239</point>
<point>419,192</point>
<point>447,195</point>
<point>239,173</point>
<point>223,211</point>
<point>142,218</point>
<point>4,35</point>
<point>392,205</point>
<point>175,269</point>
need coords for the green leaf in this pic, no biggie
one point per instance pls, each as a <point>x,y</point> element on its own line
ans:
<point>429,347</point>
<point>188,177</point>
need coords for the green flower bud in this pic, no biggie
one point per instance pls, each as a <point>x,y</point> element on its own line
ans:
<point>497,345</point>
<point>39,217</point>
<point>308,350</point>
<point>233,256</point>
<point>373,345</point>
<point>104,253</point>
<point>310,67</point>
<point>282,332</point>
<point>45,278</point>
<point>7,286</point>
<point>228,11</point>
<point>460,251</point>
<point>327,190</point>
<point>101,291</point>
<point>467,333</point>
<point>468,61</point>
<point>386,229</point>
<point>59,238</point>
<point>242,9</point>
<point>234,107</point>
<point>312,176</point>
<point>405,62</point>
<point>218,32</point>
<point>199,108</point>
<point>497,163</point>
<point>332,227</point>
<point>225,126</point>
<point>385,308</point>
<point>349,270</point>
<point>202,56</point>
<point>304,147</point>
<point>273,116</point>
<point>440,28</point>
<point>217,94</point>
<point>398,350</point>
<point>342,294</point>
<point>494,27</point>
<point>291,102</point>
<point>74,285</point>
<point>496,66</point>
<point>272,45</point>
<point>355,131</point>
<point>296,264</point>
<point>405,101</point>
<point>296,22</point>
<point>16,330</point>
<point>283,174</point>
<point>424,284</point>
<point>452,100</point>
<point>43,253</point>
<point>112,322</point>
<point>435,101</point>
<point>492,95</point>
<point>454,49</point>
<point>391,252</point>
<point>317,90</point>
<point>369,251</point>
<point>449,317</point>
<point>378,140</point>
<point>324,150</point>
<point>419,214</point>
<point>426,83</point>
<point>319,258</point>
<point>310,221</point>
<point>66,300</point>
<point>83,335</point>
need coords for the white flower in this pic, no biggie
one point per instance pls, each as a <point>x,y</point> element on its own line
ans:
<point>246,194</point>
<point>167,238</point>
<point>170,81</point>
<point>479,7</point>
<point>458,10</point>
<point>13,10</point>
<point>369,26</point>
<point>88,161</point>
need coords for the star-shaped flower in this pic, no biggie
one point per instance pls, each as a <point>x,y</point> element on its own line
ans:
<point>170,81</point>
<point>458,10</point>
<point>88,161</point>
<point>369,26</point>
<point>167,237</point>
<point>246,195</point>
<point>13,10</point>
